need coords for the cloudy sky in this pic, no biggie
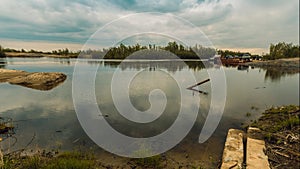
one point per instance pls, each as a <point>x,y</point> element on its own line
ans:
<point>244,25</point>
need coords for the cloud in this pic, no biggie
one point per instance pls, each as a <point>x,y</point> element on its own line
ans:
<point>256,24</point>
<point>206,12</point>
<point>72,21</point>
<point>228,23</point>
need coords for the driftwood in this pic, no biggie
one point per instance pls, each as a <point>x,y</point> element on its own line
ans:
<point>282,154</point>
<point>198,84</point>
<point>199,91</point>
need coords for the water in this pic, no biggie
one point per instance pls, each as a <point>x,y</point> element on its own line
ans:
<point>49,118</point>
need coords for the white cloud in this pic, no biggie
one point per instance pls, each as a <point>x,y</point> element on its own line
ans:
<point>256,24</point>
<point>228,23</point>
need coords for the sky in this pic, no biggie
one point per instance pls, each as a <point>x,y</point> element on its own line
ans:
<point>240,25</point>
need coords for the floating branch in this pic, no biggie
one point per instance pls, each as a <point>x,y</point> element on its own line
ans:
<point>199,91</point>
<point>198,84</point>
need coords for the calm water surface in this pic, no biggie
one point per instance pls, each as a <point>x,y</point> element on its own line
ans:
<point>49,116</point>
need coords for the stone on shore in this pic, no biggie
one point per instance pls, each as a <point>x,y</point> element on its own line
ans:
<point>36,80</point>
<point>256,158</point>
<point>233,151</point>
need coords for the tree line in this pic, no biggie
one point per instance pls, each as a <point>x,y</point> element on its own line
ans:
<point>152,52</point>
<point>65,52</point>
<point>276,51</point>
<point>2,53</point>
<point>282,50</point>
<point>122,51</point>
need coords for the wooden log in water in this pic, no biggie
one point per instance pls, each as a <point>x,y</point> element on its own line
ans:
<point>199,91</point>
<point>198,84</point>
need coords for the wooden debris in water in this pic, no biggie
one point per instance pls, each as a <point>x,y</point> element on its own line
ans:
<point>198,84</point>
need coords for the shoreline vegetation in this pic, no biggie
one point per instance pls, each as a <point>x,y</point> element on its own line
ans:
<point>276,51</point>
<point>280,127</point>
<point>286,63</point>
<point>121,52</point>
<point>78,159</point>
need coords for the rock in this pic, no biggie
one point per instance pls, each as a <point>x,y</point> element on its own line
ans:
<point>233,153</point>
<point>6,74</point>
<point>256,158</point>
<point>36,80</point>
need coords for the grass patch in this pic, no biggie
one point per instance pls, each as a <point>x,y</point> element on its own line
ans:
<point>74,160</point>
<point>67,160</point>
<point>278,118</point>
<point>149,162</point>
<point>248,114</point>
<point>281,127</point>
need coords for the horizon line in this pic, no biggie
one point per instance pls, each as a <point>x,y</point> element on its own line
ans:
<point>49,46</point>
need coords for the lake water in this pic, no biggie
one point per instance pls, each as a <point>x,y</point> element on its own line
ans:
<point>49,118</point>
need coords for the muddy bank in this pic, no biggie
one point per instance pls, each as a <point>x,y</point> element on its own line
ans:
<point>35,80</point>
<point>289,63</point>
<point>281,127</point>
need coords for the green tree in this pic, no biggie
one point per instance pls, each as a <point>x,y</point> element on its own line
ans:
<point>283,50</point>
<point>2,53</point>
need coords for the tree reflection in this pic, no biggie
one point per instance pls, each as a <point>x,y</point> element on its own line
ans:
<point>3,63</point>
<point>171,66</point>
<point>275,74</point>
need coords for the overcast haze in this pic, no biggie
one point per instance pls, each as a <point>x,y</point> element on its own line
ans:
<point>244,25</point>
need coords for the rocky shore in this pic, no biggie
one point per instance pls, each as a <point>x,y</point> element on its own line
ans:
<point>34,80</point>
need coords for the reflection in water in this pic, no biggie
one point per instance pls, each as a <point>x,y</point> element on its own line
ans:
<point>275,73</point>
<point>50,129</point>
<point>2,63</point>
<point>51,115</point>
<point>243,67</point>
<point>139,90</point>
<point>171,66</point>
<point>272,73</point>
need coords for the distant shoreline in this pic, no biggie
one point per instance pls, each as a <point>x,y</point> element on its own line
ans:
<point>289,63</point>
<point>36,55</point>
<point>284,62</point>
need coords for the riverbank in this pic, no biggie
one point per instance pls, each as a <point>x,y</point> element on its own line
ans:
<point>87,160</point>
<point>287,63</point>
<point>281,127</point>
